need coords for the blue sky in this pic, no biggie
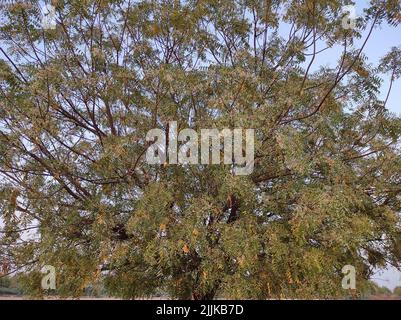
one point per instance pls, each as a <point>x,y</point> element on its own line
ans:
<point>382,39</point>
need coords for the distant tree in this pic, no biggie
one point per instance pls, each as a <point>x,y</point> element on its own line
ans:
<point>5,282</point>
<point>9,285</point>
<point>397,291</point>
<point>77,101</point>
<point>384,291</point>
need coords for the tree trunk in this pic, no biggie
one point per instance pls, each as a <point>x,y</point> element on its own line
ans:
<point>206,295</point>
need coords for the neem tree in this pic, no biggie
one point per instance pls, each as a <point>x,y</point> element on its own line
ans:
<point>77,101</point>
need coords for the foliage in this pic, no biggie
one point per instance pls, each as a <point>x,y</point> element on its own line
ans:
<point>5,282</point>
<point>372,289</point>
<point>397,291</point>
<point>77,101</point>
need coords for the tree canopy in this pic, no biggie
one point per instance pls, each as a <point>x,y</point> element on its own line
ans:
<point>77,100</point>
